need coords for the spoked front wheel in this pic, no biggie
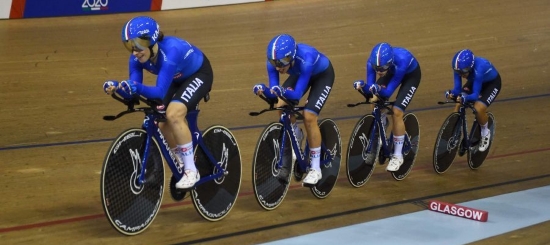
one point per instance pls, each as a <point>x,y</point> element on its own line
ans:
<point>447,143</point>
<point>270,185</point>
<point>131,206</point>
<point>362,152</point>
<point>476,157</point>
<point>332,144</point>
<point>215,198</point>
<point>410,147</point>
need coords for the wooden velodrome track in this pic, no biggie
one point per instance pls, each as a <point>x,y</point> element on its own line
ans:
<point>53,139</point>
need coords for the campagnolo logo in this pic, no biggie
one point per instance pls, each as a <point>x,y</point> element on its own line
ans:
<point>95,5</point>
<point>206,212</point>
<point>146,222</point>
<point>320,193</point>
<point>270,205</point>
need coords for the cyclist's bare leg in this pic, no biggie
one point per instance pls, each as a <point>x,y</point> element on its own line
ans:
<point>398,130</point>
<point>312,129</point>
<point>314,141</point>
<point>175,117</point>
<point>169,137</point>
<point>168,134</point>
<point>481,116</point>
<point>457,107</point>
<point>398,124</point>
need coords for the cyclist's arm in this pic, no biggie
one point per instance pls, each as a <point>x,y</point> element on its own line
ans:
<point>457,89</point>
<point>303,80</point>
<point>164,78</point>
<point>394,82</point>
<point>273,75</point>
<point>476,88</point>
<point>371,78</point>
<point>135,69</point>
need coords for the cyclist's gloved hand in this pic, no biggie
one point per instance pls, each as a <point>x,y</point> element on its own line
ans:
<point>358,84</point>
<point>279,91</point>
<point>129,87</point>
<point>124,95</point>
<point>375,89</point>
<point>260,89</point>
<point>449,95</point>
<point>109,87</point>
<point>462,99</point>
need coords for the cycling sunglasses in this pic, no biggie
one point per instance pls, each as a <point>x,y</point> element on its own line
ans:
<point>280,62</point>
<point>463,71</point>
<point>136,44</point>
<point>382,68</point>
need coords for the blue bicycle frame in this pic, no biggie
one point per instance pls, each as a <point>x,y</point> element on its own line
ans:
<point>301,158</point>
<point>377,128</point>
<point>152,129</point>
<point>464,122</point>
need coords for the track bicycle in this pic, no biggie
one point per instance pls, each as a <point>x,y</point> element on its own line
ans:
<point>274,151</point>
<point>368,143</point>
<point>453,138</point>
<point>133,179</point>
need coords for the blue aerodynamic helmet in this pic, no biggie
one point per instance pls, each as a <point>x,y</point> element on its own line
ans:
<point>463,61</point>
<point>381,56</point>
<point>281,50</point>
<point>140,33</point>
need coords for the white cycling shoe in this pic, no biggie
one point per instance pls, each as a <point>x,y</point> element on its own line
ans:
<point>312,177</point>
<point>394,164</point>
<point>188,180</point>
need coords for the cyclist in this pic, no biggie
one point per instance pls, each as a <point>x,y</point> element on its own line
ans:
<point>394,66</point>
<point>184,77</point>
<point>482,87</point>
<point>308,69</point>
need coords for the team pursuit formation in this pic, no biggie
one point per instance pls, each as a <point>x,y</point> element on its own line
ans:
<point>206,164</point>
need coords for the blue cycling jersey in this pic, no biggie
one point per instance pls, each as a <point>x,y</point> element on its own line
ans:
<point>482,72</point>
<point>403,63</point>
<point>177,60</point>
<point>307,62</point>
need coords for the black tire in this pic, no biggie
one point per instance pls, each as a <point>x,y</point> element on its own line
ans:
<point>332,144</point>
<point>269,188</point>
<point>410,147</point>
<point>447,143</point>
<point>214,199</point>
<point>129,206</point>
<point>359,164</point>
<point>475,157</point>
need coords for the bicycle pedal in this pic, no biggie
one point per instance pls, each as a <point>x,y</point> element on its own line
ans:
<point>382,159</point>
<point>307,185</point>
<point>461,151</point>
<point>177,194</point>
